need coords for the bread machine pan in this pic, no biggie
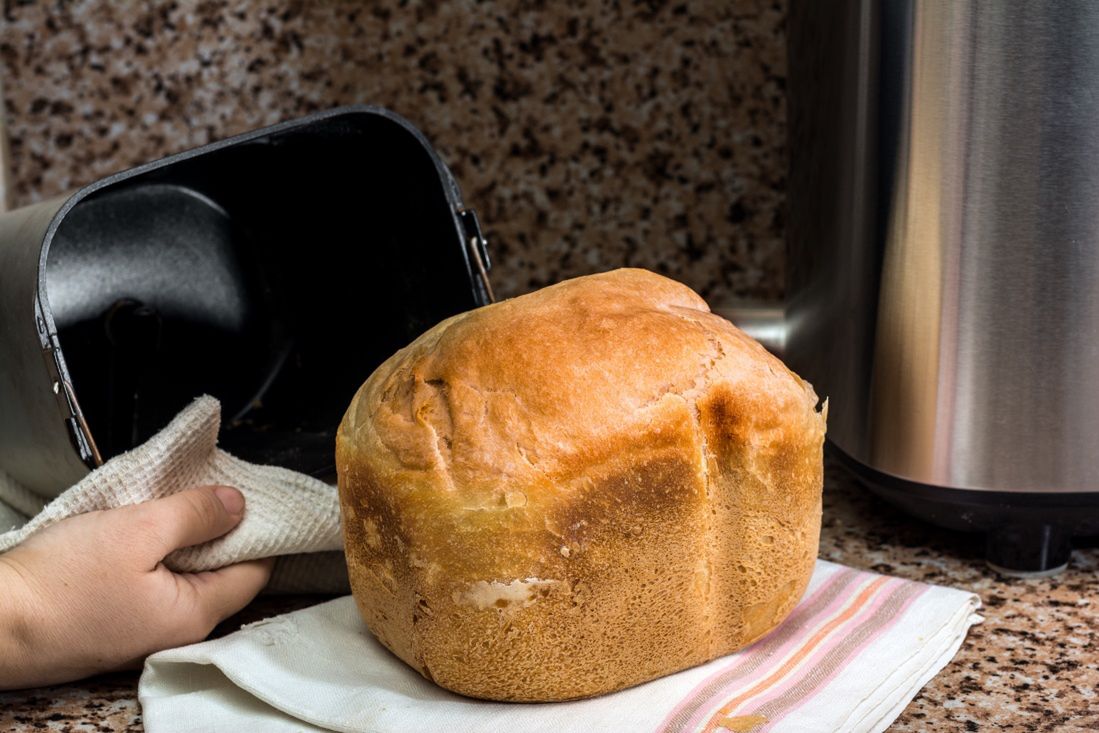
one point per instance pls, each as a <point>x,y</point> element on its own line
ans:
<point>273,270</point>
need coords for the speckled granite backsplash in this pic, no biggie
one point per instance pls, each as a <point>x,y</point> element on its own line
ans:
<point>587,135</point>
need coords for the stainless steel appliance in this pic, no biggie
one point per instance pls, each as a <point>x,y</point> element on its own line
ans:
<point>273,270</point>
<point>944,257</point>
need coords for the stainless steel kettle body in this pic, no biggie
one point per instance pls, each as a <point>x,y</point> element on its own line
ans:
<point>944,257</point>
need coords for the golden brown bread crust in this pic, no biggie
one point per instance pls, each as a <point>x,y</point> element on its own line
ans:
<point>579,490</point>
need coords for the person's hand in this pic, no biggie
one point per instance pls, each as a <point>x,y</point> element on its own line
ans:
<point>90,594</point>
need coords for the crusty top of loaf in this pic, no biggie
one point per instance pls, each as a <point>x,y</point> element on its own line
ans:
<point>515,393</point>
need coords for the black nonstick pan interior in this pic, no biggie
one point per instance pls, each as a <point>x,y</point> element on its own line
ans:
<point>275,275</point>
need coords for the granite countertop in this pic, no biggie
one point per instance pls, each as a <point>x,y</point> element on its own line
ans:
<point>1031,666</point>
<point>587,136</point>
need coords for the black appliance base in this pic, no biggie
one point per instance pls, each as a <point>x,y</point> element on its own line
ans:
<point>1027,533</point>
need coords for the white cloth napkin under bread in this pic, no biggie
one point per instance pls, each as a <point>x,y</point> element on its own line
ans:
<point>849,658</point>
<point>286,513</point>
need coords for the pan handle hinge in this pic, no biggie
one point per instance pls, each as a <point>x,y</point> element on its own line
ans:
<point>79,432</point>
<point>478,249</point>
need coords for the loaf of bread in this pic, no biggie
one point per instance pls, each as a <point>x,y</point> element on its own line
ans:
<point>579,490</point>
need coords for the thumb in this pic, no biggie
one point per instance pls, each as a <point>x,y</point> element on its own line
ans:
<point>189,517</point>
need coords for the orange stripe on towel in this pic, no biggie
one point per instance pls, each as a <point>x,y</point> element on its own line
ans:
<point>715,720</point>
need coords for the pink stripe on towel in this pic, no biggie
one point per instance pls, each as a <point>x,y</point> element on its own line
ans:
<point>811,613</point>
<point>766,682</point>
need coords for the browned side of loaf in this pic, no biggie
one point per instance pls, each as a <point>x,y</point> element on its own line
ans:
<point>579,490</point>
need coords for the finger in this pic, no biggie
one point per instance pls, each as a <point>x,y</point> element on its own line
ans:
<point>221,593</point>
<point>189,517</point>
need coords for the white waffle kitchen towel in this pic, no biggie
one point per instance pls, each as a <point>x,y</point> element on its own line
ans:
<point>286,513</point>
<point>849,658</point>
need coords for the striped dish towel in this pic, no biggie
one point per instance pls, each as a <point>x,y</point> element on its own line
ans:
<point>849,658</point>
